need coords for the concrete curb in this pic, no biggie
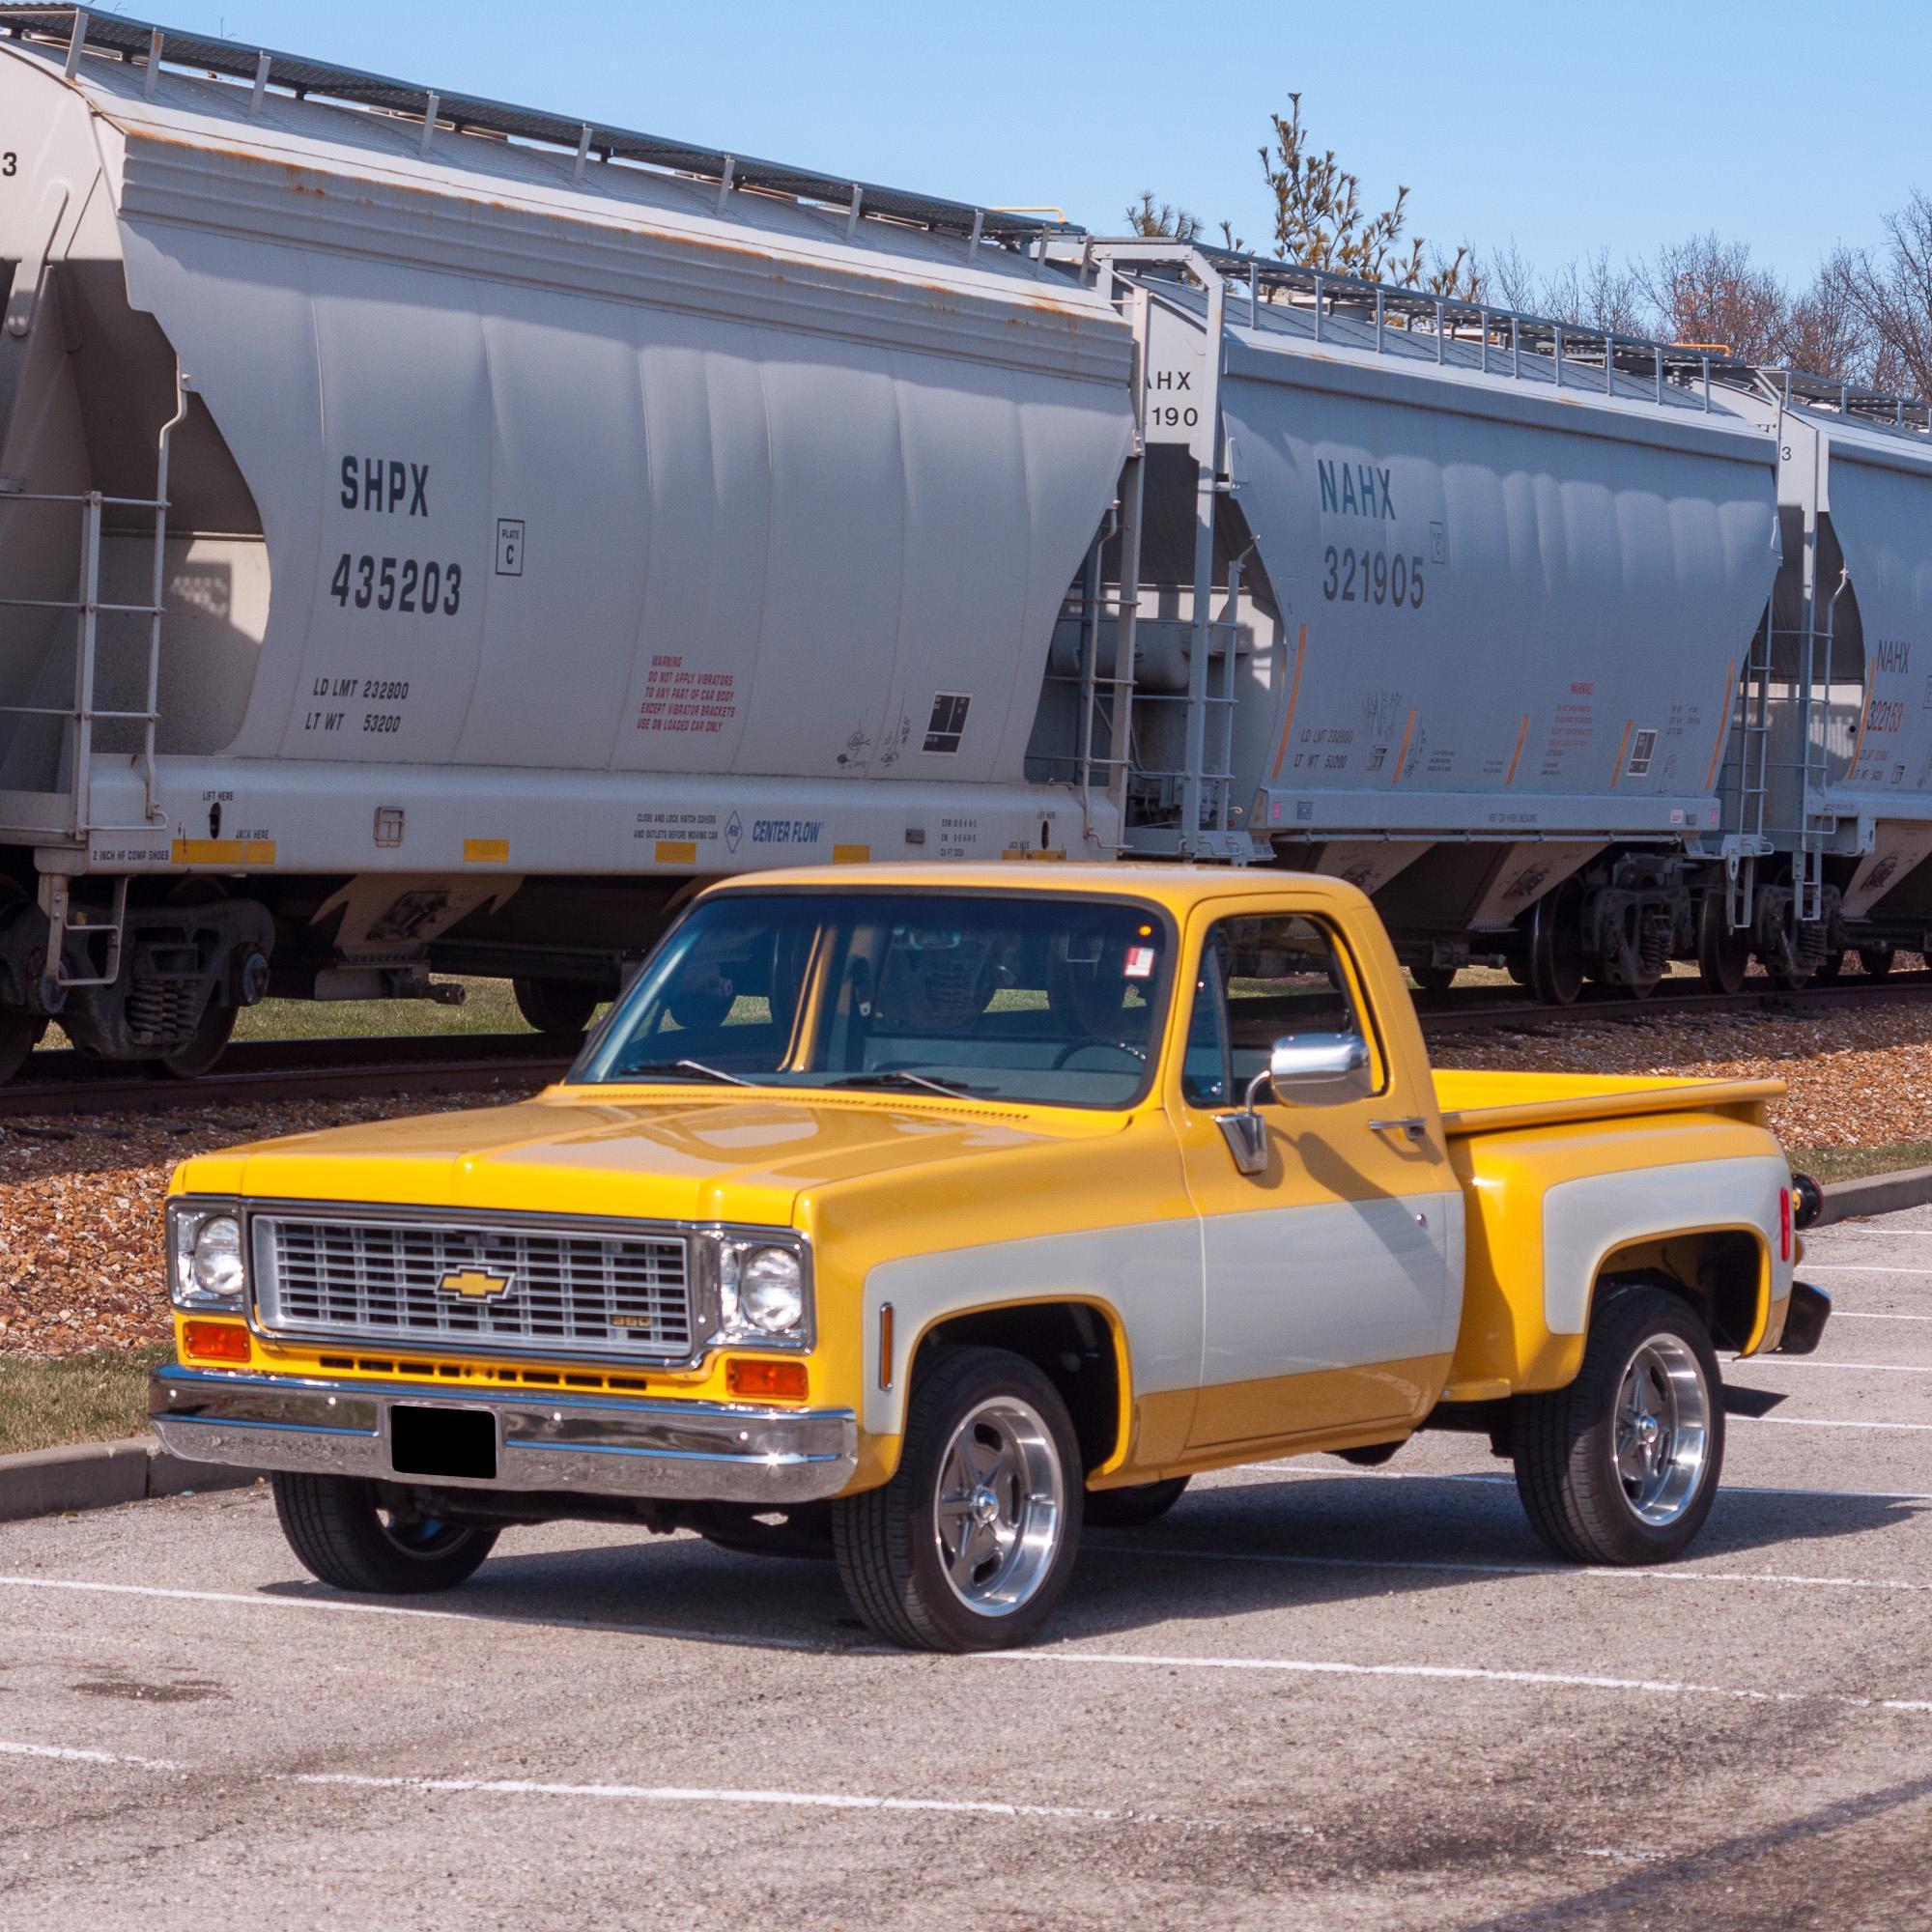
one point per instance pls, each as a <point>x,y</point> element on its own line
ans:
<point>97,1475</point>
<point>1876,1193</point>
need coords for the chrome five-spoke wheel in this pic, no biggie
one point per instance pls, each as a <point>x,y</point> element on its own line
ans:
<point>1662,1429</point>
<point>999,1505</point>
<point>1622,1464</point>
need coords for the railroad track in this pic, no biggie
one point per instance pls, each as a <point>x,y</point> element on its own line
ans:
<point>292,1069</point>
<point>1479,1009</point>
<point>301,1070</point>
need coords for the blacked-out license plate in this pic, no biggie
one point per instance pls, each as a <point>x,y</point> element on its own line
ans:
<point>427,1442</point>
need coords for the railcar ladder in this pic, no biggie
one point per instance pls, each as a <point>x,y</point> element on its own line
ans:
<point>96,923</point>
<point>1746,841</point>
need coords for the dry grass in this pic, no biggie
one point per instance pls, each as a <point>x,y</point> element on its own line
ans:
<point>99,1396</point>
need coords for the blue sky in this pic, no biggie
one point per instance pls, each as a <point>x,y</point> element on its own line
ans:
<point>1562,130</point>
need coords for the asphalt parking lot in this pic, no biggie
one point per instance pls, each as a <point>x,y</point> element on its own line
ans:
<point>1312,1696</point>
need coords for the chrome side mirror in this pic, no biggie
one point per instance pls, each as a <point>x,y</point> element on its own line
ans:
<point>1313,1068</point>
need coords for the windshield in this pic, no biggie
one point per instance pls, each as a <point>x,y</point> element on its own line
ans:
<point>1039,998</point>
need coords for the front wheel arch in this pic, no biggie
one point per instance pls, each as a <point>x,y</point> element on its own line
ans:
<point>1078,1342</point>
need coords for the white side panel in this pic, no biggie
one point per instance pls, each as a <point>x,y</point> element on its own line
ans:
<point>1150,1275</point>
<point>1334,1285</point>
<point>1584,1220</point>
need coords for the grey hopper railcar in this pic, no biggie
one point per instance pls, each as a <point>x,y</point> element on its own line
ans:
<point>554,517</point>
<point>1480,595</point>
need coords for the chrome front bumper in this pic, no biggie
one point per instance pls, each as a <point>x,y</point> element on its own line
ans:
<point>686,1451</point>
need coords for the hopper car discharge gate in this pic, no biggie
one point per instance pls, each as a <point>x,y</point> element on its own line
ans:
<point>1295,636</point>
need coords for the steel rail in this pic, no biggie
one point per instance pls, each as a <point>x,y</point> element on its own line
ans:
<point>1483,1009</point>
<point>271,1072</point>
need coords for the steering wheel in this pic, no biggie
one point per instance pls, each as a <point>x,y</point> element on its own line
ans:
<point>1067,1053</point>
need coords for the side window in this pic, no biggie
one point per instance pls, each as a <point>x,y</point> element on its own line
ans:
<point>1261,980</point>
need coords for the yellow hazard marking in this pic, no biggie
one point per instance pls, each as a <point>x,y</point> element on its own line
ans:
<point>1618,768</point>
<point>1294,694</point>
<point>486,851</point>
<point>1401,756</point>
<point>1022,853</point>
<point>678,852</point>
<point>851,855</point>
<point>224,851</point>
<point>1522,733</point>
<point>1723,723</point>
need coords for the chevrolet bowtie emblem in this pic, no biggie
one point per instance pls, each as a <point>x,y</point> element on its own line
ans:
<point>473,1284</point>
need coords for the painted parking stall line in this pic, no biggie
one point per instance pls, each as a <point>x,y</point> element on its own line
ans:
<point>1455,1673</point>
<point>1288,1472</point>
<point>628,1794</point>
<point>1639,1576</point>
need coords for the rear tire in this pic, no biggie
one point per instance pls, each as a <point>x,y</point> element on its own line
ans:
<point>560,1008</point>
<point>1622,1466</point>
<point>971,1545</point>
<point>1133,1508</point>
<point>339,1528</point>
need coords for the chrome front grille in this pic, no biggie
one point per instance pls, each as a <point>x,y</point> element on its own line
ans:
<point>556,1288</point>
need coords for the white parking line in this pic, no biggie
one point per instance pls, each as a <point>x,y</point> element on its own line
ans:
<point>1454,1674</point>
<point>1868,1315</point>
<point>1449,1566</point>
<point>1292,1473</point>
<point>1120,1660</point>
<point>633,1794</point>
<point>342,1607</point>
<point>1806,1362</point>
<point>1860,1268</point>
<point>1826,1422</point>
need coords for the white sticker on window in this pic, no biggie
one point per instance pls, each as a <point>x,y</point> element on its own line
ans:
<point>1140,963</point>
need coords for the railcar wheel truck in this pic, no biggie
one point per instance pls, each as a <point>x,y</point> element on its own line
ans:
<point>916,1215</point>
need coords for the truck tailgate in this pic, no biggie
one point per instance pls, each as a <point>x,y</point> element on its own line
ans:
<point>1479,1103</point>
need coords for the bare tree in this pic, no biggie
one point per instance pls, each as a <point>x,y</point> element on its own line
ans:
<point>1887,298</point>
<point>1147,216</point>
<point>1320,222</point>
<point>1711,293</point>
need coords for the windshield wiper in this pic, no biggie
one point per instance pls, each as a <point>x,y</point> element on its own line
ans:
<point>646,1069</point>
<point>899,1076</point>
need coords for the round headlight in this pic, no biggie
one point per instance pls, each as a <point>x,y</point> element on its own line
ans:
<point>216,1264</point>
<point>771,1290</point>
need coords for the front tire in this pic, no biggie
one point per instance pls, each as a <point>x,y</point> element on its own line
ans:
<point>1622,1466</point>
<point>971,1545</point>
<point>344,1535</point>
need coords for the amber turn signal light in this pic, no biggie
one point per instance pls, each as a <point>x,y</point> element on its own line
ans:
<point>784,1381</point>
<point>217,1342</point>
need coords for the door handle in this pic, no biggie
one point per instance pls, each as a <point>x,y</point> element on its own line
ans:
<point>1412,1124</point>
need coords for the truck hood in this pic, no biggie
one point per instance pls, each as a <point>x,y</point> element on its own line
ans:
<point>714,1158</point>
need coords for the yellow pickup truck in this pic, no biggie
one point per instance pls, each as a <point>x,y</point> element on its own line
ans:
<point>916,1215</point>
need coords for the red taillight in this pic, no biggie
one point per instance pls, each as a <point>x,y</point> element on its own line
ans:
<point>1784,1224</point>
